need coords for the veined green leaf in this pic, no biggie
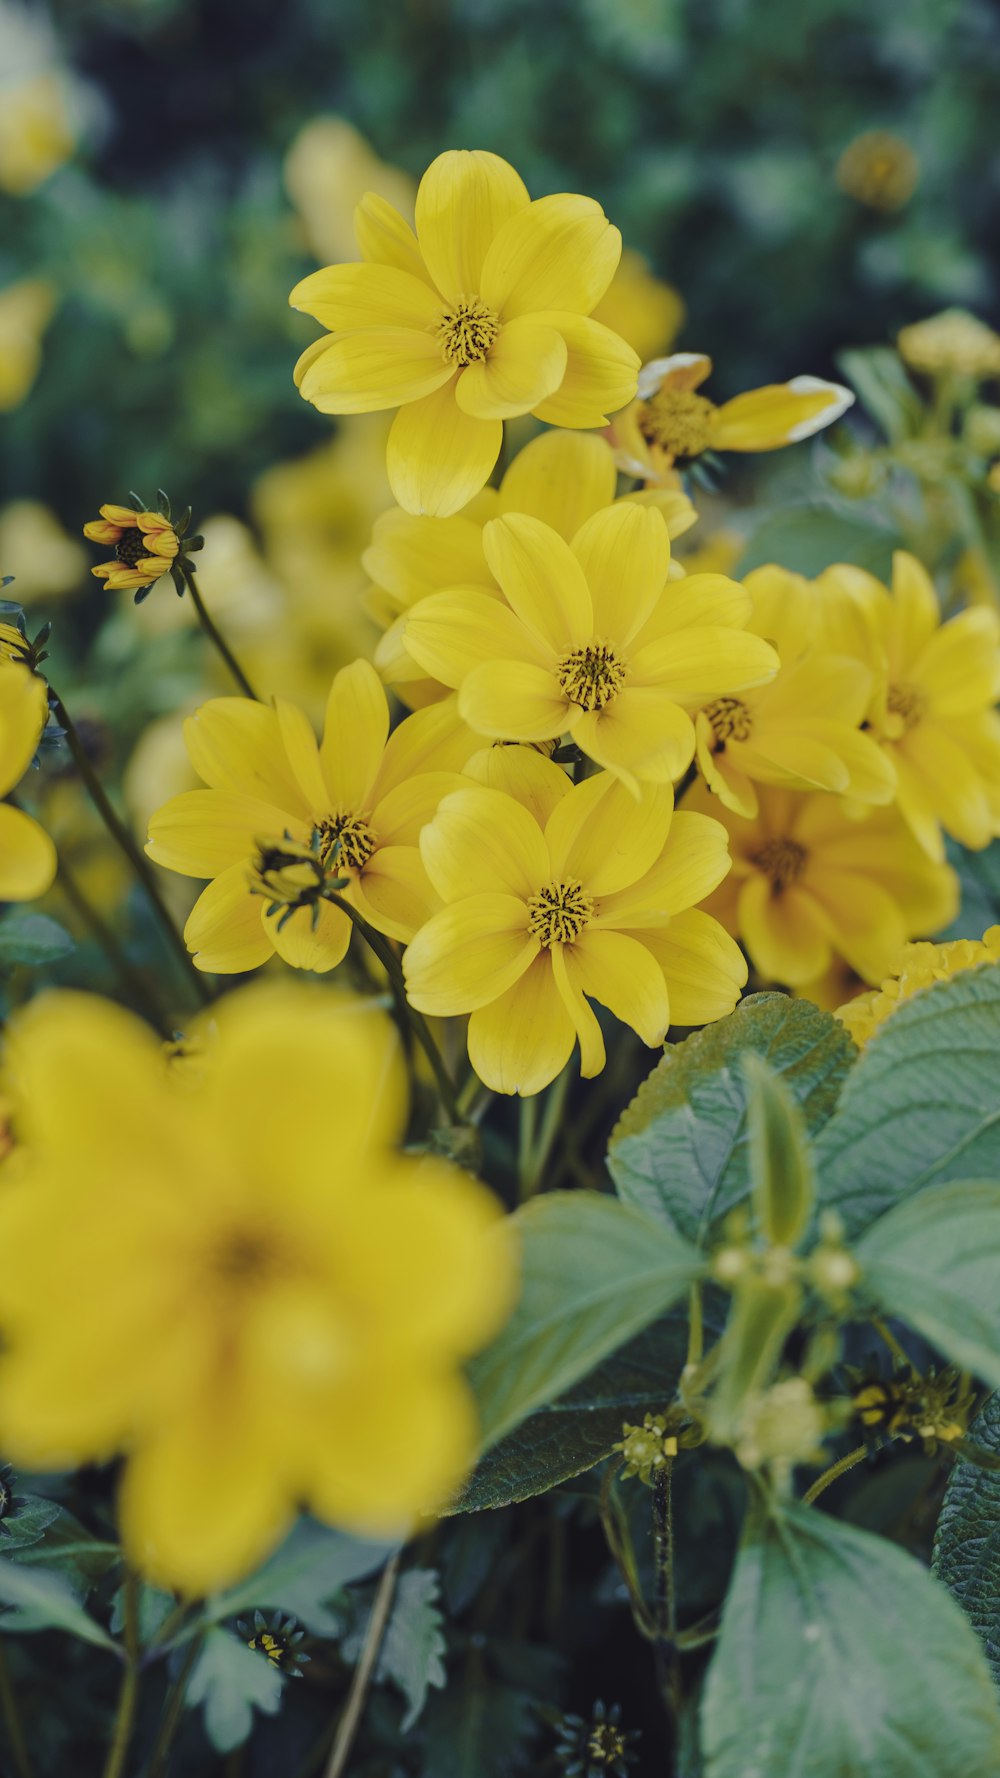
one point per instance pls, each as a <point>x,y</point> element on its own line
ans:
<point>967,1541</point>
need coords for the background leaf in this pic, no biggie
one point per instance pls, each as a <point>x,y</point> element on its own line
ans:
<point>312,1565</point>
<point>593,1273</point>
<point>43,1601</point>
<point>231,1681</point>
<point>921,1105</point>
<point>967,1541</point>
<point>413,1647</point>
<point>809,538</point>
<point>32,939</point>
<point>840,1657</point>
<point>478,1728</point>
<point>680,1150</point>
<point>883,388</point>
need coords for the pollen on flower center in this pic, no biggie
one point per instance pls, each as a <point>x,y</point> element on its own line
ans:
<point>345,838</point>
<point>559,912</point>
<point>730,720</point>
<point>783,861</point>
<point>907,702</point>
<point>677,421</point>
<point>591,676</point>
<point>467,331</point>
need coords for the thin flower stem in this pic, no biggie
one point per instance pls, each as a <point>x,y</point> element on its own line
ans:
<point>619,1542</point>
<point>350,1721</point>
<point>215,636</point>
<point>137,991</point>
<point>835,1471</point>
<point>12,1719</point>
<point>547,1132</point>
<point>665,1600</point>
<point>900,1358</point>
<point>123,838</point>
<point>173,1710</point>
<point>128,1696</point>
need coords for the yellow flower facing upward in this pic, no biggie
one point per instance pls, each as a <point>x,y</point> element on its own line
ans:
<point>145,544</point>
<point>810,885</point>
<point>232,1277</point>
<point>671,422</point>
<point>932,708</point>
<point>953,343</point>
<point>586,892</point>
<point>590,640</point>
<point>918,966</point>
<point>562,478</point>
<point>282,819</point>
<point>27,855</point>
<point>802,729</point>
<point>482,314</point>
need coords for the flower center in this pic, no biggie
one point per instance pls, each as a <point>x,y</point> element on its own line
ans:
<point>591,676</point>
<point>677,421</point>
<point>243,1257</point>
<point>467,331</point>
<point>730,720</point>
<point>783,861</point>
<point>907,702</point>
<point>131,547</point>
<point>345,838</point>
<point>559,912</point>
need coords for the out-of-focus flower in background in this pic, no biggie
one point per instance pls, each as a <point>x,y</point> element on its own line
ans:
<point>329,168</point>
<point>26,308</point>
<point>953,343</point>
<point>879,170</point>
<point>44,107</point>
<point>43,560</point>
<point>646,312</point>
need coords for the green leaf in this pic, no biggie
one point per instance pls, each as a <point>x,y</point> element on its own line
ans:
<point>967,1541</point>
<point>154,1609</point>
<point>593,1273</point>
<point>478,1729</point>
<point>301,1577</point>
<point>781,1169</point>
<point>28,1524</point>
<point>884,389</point>
<point>571,1434</point>
<point>66,1547</point>
<point>921,1105</point>
<point>44,1601</point>
<point>412,1652</point>
<point>32,939</point>
<point>680,1151</point>
<point>979,876</point>
<point>230,1681</point>
<point>807,539</point>
<point>934,1262</point>
<point>840,1657</point>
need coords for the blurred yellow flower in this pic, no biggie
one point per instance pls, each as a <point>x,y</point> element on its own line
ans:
<point>26,309</point>
<point>953,343</point>
<point>37,132</point>
<point>275,801</point>
<point>810,885</point>
<point>589,892</point>
<point>918,966</point>
<point>481,315</point>
<point>45,561</point>
<point>329,169</point>
<point>249,1349</point>
<point>879,170</point>
<point>145,544</point>
<point>933,701</point>
<point>648,313</point>
<point>27,855</point>
<point>669,422</point>
<point>590,640</point>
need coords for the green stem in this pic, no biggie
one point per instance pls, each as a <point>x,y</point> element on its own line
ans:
<point>835,1471</point>
<point>173,1710</point>
<point>619,1542</point>
<point>128,1696</point>
<point>123,838</point>
<point>135,989</point>
<point>900,1358</point>
<point>527,1123</point>
<point>12,1719</point>
<point>350,1721</point>
<point>215,636</point>
<point>547,1132</point>
<point>665,1596</point>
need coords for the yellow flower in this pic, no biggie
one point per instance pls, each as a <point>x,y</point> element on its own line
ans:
<point>918,966</point>
<point>953,343</point>
<point>809,885</point>
<point>27,855</point>
<point>232,1277</point>
<point>669,422</point>
<point>26,309</point>
<point>562,478</point>
<point>587,892</point>
<point>37,133</point>
<point>36,551</point>
<point>145,544</point>
<point>274,800</point>
<point>801,730</point>
<point>648,313</point>
<point>879,170</point>
<point>481,315</point>
<point>932,707</point>
<point>329,169</point>
<point>590,641</point>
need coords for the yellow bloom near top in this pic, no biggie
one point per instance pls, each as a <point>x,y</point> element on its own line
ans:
<point>282,818</point>
<point>27,855</point>
<point>559,893</point>
<point>482,314</point>
<point>918,966</point>
<point>232,1276</point>
<point>590,641</point>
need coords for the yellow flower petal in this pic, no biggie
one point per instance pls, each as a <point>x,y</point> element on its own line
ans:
<point>235,744</point>
<point>524,1039</point>
<point>393,892</point>
<point>384,237</point>
<point>419,1439</point>
<point>451,633</point>
<point>624,552</point>
<point>468,954</point>
<point>361,373</point>
<point>438,457</point>
<point>541,579</point>
<point>915,609</point>
<point>526,364</point>
<point>125,516</point>
<point>523,773</point>
<point>786,935</point>
<point>560,478</point>
<point>201,833</point>
<point>431,740</point>
<point>410,557</point>
<point>623,975</point>
<point>24,711</point>
<point>514,701</point>
<point>559,253</point>
<point>600,373</point>
<point>960,665</point>
<point>698,665</point>
<point>779,414</point>
<point>225,930</point>
<point>302,754</point>
<point>588,1031</point>
<point>352,298</point>
<point>481,841</point>
<point>694,861</point>
<point>403,811</point>
<point>102,531</point>
<point>305,946</point>
<point>951,784</point>
<point>643,733</point>
<point>606,837</point>
<point>699,600</point>
<point>704,968</point>
<point>865,922</point>
<point>463,200</point>
<point>27,856</point>
<point>354,735</point>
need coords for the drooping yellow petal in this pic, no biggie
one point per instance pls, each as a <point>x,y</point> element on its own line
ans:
<point>560,478</point>
<point>624,976</point>
<point>520,1042</point>
<point>449,634</point>
<point>559,253</point>
<point>526,364</point>
<point>384,237</point>
<point>588,1032</point>
<point>27,856</point>
<point>305,945</point>
<point>354,298</point>
<point>624,552</point>
<point>393,892</point>
<point>514,701</point>
<point>606,837</point>
<point>704,968</point>
<point>468,954</point>
<point>354,735</point>
<point>377,368</point>
<point>541,579</point>
<point>235,744</point>
<point>600,373</point>
<point>438,457</point>
<point>463,201</point>
<point>779,414</point>
<point>642,734</point>
<point>482,841</point>
<point>225,929</point>
<point>201,833</point>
